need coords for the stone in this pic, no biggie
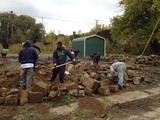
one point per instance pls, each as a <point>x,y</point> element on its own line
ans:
<point>4,91</point>
<point>13,91</point>
<point>113,88</point>
<point>73,92</point>
<point>136,80</point>
<point>52,94</point>
<point>126,77</point>
<point>23,97</point>
<point>131,73</point>
<point>41,86</point>
<point>104,90</point>
<point>81,93</point>
<point>80,87</point>
<point>35,97</point>
<point>42,72</point>
<point>0,92</point>
<point>95,85</point>
<point>104,83</point>
<point>11,100</point>
<point>71,85</point>
<point>10,74</point>
<point>86,82</point>
<point>86,75</point>
<point>2,100</point>
<point>93,74</point>
<point>88,91</point>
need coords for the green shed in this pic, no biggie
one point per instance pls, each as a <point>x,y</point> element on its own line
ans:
<point>89,44</point>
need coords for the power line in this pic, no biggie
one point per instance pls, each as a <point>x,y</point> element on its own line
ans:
<point>56,19</point>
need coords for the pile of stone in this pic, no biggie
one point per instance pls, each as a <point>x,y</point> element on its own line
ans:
<point>153,60</point>
<point>118,57</point>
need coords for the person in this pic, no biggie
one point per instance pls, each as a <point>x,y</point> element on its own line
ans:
<point>27,57</point>
<point>76,52</point>
<point>59,57</point>
<point>95,57</point>
<point>120,68</point>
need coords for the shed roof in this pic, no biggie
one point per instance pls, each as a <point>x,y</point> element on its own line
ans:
<point>83,38</point>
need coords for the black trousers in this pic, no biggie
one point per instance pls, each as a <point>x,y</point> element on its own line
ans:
<point>60,71</point>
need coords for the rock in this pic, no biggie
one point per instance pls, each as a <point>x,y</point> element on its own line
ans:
<point>11,100</point>
<point>4,91</point>
<point>86,82</point>
<point>35,97</point>
<point>104,90</point>
<point>2,100</point>
<point>0,92</point>
<point>132,73</point>
<point>80,87</point>
<point>42,72</point>
<point>113,88</point>
<point>88,91</point>
<point>86,75</point>
<point>10,74</point>
<point>52,94</point>
<point>73,92</point>
<point>126,77</point>
<point>81,93</point>
<point>93,74</point>
<point>104,83</point>
<point>136,80</point>
<point>13,91</point>
<point>95,85</point>
<point>23,97</point>
<point>40,86</point>
<point>71,85</point>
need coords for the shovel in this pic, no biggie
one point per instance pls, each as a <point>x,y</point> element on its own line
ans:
<point>62,64</point>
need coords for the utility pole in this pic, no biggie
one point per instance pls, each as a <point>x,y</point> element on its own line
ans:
<point>96,22</point>
<point>12,27</point>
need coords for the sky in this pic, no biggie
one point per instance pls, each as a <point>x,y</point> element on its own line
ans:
<point>65,16</point>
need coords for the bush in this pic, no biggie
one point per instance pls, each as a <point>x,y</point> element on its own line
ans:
<point>1,47</point>
<point>15,48</point>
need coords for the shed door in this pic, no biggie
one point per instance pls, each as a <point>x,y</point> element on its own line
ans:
<point>94,44</point>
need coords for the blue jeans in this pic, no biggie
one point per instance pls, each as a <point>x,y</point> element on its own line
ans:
<point>121,74</point>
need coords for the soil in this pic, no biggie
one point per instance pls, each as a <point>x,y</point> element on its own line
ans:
<point>89,107</point>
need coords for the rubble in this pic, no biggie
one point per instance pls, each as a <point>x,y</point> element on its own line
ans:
<point>153,60</point>
<point>84,79</point>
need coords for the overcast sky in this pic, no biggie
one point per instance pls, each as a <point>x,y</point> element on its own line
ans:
<point>65,16</point>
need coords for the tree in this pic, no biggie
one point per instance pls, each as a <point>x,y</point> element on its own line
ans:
<point>139,18</point>
<point>15,29</point>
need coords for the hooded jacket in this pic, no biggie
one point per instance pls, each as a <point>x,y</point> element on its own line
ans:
<point>27,54</point>
<point>59,55</point>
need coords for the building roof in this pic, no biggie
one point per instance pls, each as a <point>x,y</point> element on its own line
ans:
<point>83,38</point>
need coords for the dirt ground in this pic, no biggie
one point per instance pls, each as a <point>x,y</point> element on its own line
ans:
<point>89,107</point>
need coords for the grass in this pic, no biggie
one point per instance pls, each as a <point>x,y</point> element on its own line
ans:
<point>68,99</point>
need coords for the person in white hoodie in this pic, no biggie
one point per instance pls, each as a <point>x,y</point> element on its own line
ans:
<point>120,68</point>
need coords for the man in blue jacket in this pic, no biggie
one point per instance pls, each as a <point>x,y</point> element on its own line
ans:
<point>27,58</point>
<point>59,57</point>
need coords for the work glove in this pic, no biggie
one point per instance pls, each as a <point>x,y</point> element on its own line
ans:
<point>54,65</point>
<point>74,60</point>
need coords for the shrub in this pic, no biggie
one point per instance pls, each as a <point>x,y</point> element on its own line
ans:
<point>15,48</point>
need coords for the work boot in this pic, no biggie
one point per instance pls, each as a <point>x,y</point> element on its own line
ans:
<point>61,86</point>
<point>120,87</point>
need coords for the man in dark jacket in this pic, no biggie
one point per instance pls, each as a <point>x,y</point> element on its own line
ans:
<point>95,57</point>
<point>59,57</point>
<point>27,58</point>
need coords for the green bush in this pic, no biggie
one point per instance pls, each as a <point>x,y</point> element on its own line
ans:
<point>1,47</point>
<point>15,48</point>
